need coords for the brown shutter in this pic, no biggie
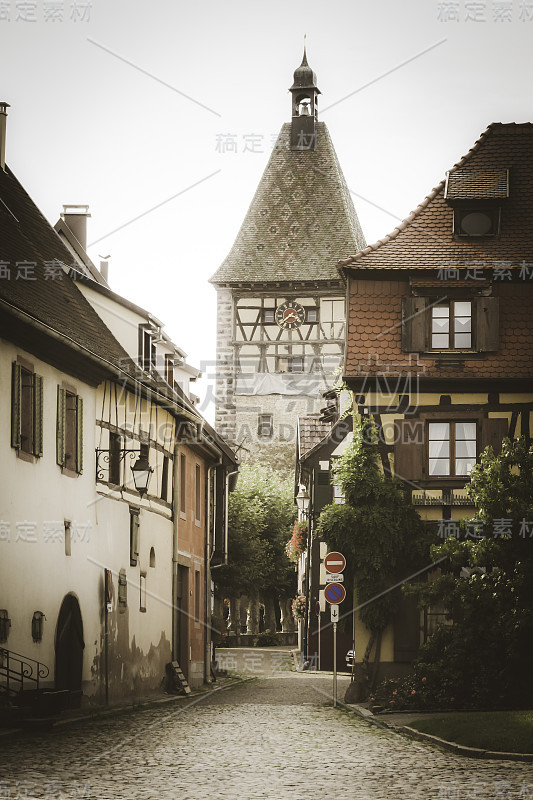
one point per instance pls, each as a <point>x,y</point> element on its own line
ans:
<point>487,323</point>
<point>38,416</point>
<point>60,428</point>
<point>79,434</point>
<point>492,433</point>
<point>409,450</point>
<point>414,324</point>
<point>15,404</point>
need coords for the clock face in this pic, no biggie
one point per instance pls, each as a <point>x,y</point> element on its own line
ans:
<point>290,315</point>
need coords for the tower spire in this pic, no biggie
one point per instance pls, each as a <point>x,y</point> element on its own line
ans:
<point>304,106</point>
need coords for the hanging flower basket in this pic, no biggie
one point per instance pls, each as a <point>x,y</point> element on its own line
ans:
<point>297,544</point>
<point>298,607</point>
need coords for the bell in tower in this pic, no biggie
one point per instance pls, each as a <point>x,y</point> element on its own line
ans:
<point>305,93</point>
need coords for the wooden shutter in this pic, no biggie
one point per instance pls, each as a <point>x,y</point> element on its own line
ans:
<point>414,324</point>
<point>323,490</point>
<point>37,416</point>
<point>15,404</point>
<point>492,433</point>
<point>134,539</point>
<point>60,427</point>
<point>122,588</point>
<point>79,434</point>
<point>487,323</point>
<point>409,450</point>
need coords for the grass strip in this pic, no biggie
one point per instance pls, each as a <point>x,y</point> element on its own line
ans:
<point>503,731</point>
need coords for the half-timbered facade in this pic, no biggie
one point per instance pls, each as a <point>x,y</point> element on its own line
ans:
<point>281,302</point>
<point>439,346</point>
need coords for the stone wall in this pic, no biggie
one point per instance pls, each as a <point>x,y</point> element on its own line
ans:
<point>225,378</point>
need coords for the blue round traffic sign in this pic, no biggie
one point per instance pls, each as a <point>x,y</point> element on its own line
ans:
<point>334,592</point>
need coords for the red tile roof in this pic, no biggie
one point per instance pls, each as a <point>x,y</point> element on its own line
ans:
<point>424,242</point>
<point>424,239</point>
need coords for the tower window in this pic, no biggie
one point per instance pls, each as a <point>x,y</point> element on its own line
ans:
<point>291,364</point>
<point>265,426</point>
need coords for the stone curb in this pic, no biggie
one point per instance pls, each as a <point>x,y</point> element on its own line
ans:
<point>458,749</point>
<point>102,711</point>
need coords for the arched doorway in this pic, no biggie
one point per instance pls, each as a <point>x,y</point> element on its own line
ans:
<point>69,646</point>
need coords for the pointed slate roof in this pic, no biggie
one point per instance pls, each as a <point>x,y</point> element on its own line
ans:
<point>299,221</point>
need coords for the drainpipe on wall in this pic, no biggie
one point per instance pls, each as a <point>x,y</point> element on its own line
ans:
<point>175,520</point>
<point>207,605</point>
<point>3,125</point>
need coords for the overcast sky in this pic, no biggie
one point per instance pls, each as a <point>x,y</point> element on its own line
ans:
<point>132,107</point>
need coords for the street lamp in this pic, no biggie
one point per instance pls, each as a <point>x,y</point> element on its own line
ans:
<point>142,472</point>
<point>302,501</point>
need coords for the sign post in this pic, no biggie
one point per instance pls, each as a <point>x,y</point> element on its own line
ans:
<point>317,608</point>
<point>334,594</point>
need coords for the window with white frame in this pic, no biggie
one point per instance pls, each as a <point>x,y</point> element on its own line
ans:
<point>451,325</point>
<point>452,448</point>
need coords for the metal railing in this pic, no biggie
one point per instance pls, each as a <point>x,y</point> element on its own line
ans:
<point>19,669</point>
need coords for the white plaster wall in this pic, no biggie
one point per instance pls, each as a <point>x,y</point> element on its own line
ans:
<point>36,575</point>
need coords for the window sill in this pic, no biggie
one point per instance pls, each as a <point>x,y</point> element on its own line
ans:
<point>443,482</point>
<point>70,473</point>
<point>183,515</point>
<point>24,456</point>
<point>197,523</point>
<point>452,355</point>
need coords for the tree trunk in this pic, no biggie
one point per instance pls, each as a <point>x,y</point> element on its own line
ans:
<point>270,613</point>
<point>288,624</point>
<point>358,689</point>
<point>377,658</point>
<point>234,615</point>
<point>243,614</point>
<point>252,623</point>
<point>218,607</point>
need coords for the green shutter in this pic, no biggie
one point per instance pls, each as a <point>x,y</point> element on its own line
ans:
<point>15,405</point>
<point>38,416</point>
<point>79,434</point>
<point>60,429</point>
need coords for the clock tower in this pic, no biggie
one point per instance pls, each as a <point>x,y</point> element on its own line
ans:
<point>281,301</point>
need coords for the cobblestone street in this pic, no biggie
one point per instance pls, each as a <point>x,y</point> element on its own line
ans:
<point>276,737</point>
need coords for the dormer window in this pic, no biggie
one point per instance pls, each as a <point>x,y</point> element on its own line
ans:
<point>147,357</point>
<point>476,199</point>
<point>169,370</point>
<point>476,223</point>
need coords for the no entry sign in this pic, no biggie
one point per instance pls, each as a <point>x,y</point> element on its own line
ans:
<point>335,562</point>
<point>334,593</point>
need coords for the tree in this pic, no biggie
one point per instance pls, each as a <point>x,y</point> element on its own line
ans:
<point>377,530</point>
<point>261,513</point>
<point>486,657</point>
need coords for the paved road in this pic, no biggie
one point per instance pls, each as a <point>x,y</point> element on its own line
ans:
<point>276,737</point>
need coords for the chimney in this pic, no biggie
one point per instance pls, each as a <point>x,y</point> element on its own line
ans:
<point>3,121</point>
<point>104,268</point>
<point>76,219</point>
